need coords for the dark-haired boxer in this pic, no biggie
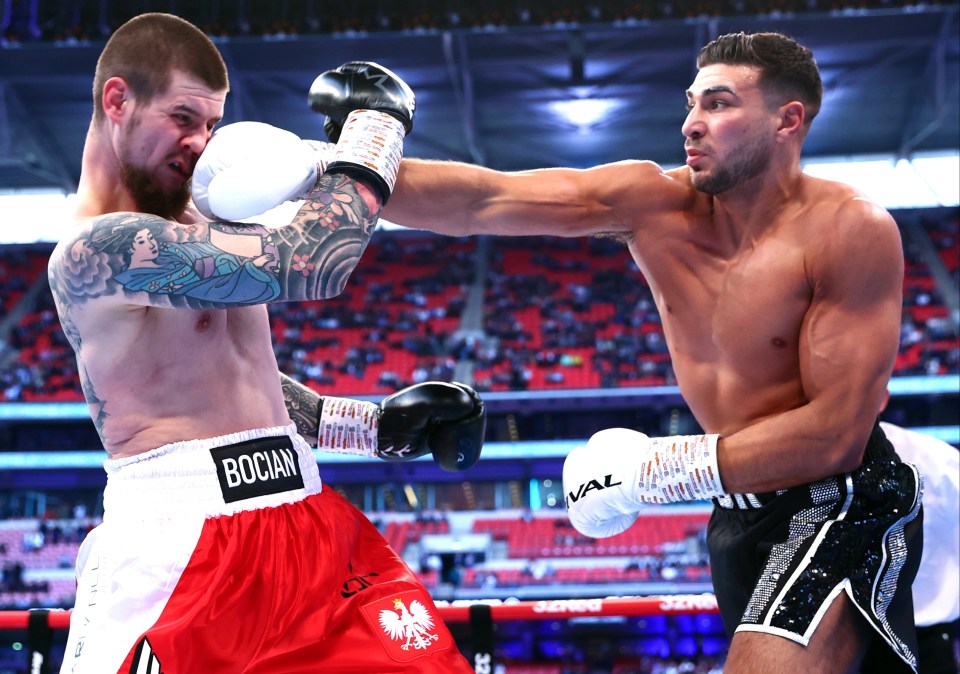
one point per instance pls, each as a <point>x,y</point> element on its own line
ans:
<point>780,296</point>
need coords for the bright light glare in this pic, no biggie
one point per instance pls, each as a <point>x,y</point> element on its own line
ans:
<point>26,217</point>
<point>872,177</point>
<point>583,112</point>
<point>894,183</point>
<point>942,175</point>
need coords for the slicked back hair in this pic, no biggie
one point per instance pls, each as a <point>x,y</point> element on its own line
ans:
<point>788,71</point>
<point>148,49</point>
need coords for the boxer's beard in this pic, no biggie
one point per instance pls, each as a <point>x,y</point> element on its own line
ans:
<point>151,197</point>
<point>749,162</point>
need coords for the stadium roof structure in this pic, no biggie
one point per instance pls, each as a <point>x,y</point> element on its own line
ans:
<point>523,98</point>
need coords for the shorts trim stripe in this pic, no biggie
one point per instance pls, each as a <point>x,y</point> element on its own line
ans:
<point>894,558</point>
<point>842,587</point>
<point>775,631</point>
<point>805,563</point>
<point>823,495</point>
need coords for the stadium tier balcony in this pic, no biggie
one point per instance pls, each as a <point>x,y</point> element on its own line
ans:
<point>555,537</point>
<point>544,551</point>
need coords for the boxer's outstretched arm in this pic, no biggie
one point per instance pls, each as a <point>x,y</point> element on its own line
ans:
<point>462,199</point>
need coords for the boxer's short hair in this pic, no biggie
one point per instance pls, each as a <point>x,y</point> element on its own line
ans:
<point>788,70</point>
<point>149,48</point>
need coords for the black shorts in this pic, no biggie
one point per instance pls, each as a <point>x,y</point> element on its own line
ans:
<point>779,559</point>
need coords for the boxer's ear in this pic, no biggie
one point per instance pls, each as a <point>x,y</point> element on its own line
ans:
<point>116,93</point>
<point>792,117</point>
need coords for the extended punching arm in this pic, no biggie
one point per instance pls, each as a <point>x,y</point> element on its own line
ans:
<point>249,168</point>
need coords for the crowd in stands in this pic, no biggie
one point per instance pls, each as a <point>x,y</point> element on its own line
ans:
<point>557,313</point>
<point>928,337</point>
<point>562,315</point>
<point>544,551</point>
<point>17,271</point>
<point>70,22</point>
<point>40,548</point>
<point>46,368</point>
<point>392,325</point>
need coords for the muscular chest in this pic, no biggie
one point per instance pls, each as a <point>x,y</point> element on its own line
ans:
<point>758,305</point>
<point>745,308</point>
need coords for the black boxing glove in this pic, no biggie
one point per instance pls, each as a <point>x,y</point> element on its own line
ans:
<point>456,443</point>
<point>360,85</point>
<point>446,419</point>
<point>369,112</point>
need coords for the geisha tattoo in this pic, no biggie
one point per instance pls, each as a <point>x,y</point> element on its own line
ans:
<point>223,264</point>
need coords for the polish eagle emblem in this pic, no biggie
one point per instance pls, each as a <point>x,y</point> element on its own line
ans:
<point>413,625</point>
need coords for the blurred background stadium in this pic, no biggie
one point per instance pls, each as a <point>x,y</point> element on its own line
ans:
<point>562,336</point>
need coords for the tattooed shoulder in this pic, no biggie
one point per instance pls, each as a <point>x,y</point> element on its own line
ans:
<point>84,264</point>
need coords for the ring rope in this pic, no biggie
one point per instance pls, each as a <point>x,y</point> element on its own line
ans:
<point>548,609</point>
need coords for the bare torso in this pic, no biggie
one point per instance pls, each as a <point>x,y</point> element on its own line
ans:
<point>733,305</point>
<point>168,317</point>
<point>154,375</point>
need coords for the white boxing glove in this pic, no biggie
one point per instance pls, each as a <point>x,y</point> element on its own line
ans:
<point>249,168</point>
<point>607,481</point>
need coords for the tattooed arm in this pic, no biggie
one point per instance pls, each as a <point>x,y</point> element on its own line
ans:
<point>145,260</point>
<point>303,404</point>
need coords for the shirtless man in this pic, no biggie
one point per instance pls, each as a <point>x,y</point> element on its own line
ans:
<point>219,550</point>
<point>780,296</point>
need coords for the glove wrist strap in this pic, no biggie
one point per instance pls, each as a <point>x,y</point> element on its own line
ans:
<point>680,468</point>
<point>348,426</point>
<point>371,143</point>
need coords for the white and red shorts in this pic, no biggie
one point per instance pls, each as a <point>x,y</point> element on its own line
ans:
<point>225,556</point>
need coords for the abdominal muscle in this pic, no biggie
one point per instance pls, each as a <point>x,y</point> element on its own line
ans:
<point>170,375</point>
<point>723,401</point>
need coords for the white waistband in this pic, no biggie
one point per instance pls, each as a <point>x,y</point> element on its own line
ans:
<point>181,479</point>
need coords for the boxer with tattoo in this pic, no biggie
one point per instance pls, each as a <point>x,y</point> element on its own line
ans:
<point>220,551</point>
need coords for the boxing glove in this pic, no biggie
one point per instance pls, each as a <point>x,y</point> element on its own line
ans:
<point>607,481</point>
<point>369,112</point>
<point>360,85</point>
<point>448,420</point>
<point>248,168</point>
